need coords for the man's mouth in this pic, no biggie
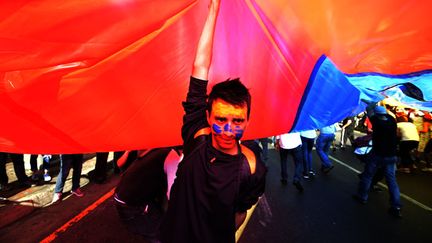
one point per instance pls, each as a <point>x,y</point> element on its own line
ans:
<point>226,139</point>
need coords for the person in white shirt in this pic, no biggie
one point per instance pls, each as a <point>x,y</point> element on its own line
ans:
<point>409,140</point>
<point>290,143</point>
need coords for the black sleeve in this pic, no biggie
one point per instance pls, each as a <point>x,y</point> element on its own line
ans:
<point>254,185</point>
<point>253,190</point>
<point>195,109</point>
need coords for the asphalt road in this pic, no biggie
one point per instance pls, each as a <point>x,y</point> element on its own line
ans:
<point>324,212</point>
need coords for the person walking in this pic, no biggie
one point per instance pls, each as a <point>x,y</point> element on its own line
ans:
<point>68,161</point>
<point>383,154</point>
<point>323,143</point>
<point>290,143</point>
<point>408,141</point>
<point>347,131</point>
<point>18,164</point>
<point>308,140</point>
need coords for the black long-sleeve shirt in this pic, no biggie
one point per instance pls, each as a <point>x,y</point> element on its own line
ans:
<point>211,186</point>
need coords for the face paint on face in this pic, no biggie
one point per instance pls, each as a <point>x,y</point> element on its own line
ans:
<point>223,109</point>
<point>217,129</point>
<point>238,131</point>
<point>227,128</point>
<point>228,123</point>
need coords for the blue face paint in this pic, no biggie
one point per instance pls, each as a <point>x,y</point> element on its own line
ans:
<point>238,131</point>
<point>227,128</point>
<point>217,129</point>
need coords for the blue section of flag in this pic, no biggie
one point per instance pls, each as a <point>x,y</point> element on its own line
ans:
<point>328,98</point>
<point>375,86</point>
<point>331,95</point>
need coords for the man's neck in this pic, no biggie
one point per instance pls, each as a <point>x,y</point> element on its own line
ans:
<point>231,151</point>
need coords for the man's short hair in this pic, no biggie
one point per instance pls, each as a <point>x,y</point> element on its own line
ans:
<point>231,91</point>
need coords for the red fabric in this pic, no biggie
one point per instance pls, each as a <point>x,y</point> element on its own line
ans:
<point>111,75</point>
<point>368,124</point>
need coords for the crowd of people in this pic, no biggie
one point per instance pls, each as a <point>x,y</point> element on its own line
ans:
<point>414,132</point>
<point>42,172</point>
<point>393,139</point>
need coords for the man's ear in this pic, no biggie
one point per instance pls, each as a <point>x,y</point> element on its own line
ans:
<point>208,116</point>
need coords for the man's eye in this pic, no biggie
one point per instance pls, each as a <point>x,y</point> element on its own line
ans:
<point>221,119</point>
<point>238,120</point>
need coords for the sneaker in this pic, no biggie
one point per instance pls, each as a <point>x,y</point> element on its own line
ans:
<point>47,177</point>
<point>306,176</point>
<point>359,199</point>
<point>34,177</point>
<point>24,184</point>
<point>326,170</point>
<point>395,212</point>
<point>298,186</point>
<point>58,196</point>
<point>77,192</point>
<point>311,173</point>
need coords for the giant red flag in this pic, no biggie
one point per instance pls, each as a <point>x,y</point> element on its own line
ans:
<point>87,76</point>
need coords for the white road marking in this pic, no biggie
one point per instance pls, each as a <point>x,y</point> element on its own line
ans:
<point>425,207</point>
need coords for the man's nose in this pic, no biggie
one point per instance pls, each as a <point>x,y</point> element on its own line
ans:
<point>228,128</point>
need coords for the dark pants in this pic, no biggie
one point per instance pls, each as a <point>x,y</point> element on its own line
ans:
<point>296,153</point>
<point>347,133</point>
<point>144,220</point>
<point>323,143</point>
<point>264,144</point>
<point>307,146</point>
<point>101,165</point>
<point>68,161</point>
<point>389,166</point>
<point>18,163</point>
<point>33,162</point>
<point>379,174</point>
<point>405,148</point>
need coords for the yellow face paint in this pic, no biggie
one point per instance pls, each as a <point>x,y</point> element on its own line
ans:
<point>221,108</point>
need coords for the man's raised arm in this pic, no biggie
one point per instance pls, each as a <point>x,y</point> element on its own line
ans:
<point>204,51</point>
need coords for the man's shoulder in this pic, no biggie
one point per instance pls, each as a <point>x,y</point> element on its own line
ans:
<point>205,131</point>
<point>200,138</point>
<point>250,157</point>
